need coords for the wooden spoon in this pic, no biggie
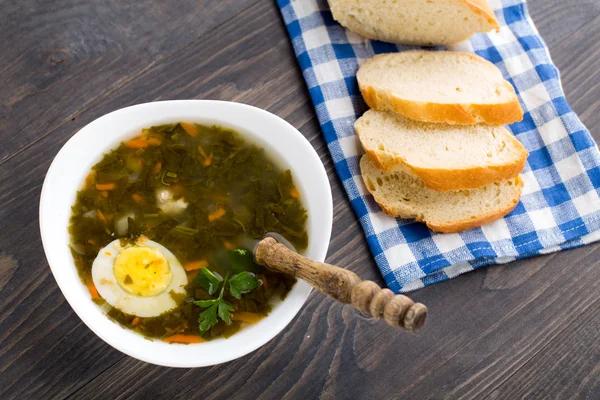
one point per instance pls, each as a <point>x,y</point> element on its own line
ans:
<point>343,285</point>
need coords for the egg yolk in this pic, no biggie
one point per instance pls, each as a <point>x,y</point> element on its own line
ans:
<point>142,271</point>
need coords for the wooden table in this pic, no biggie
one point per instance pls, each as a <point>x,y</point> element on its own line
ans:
<point>527,329</point>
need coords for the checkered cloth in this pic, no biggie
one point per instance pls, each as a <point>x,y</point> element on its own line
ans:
<point>559,208</point>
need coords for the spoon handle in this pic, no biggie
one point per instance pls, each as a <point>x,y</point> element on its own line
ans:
<point>344,286</point>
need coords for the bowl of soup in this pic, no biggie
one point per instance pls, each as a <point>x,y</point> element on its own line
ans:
<point>149,217</point>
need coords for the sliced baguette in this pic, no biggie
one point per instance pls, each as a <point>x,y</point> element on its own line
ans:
<point>439,86</point>
<point>420,22</point>
<point>402,195</point>
<point>445,157</point>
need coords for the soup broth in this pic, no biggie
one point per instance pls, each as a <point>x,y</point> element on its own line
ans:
<point>207,196</point>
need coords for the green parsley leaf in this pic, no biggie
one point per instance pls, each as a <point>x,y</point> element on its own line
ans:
<point>242,260</point>
<point>242,282</point>
<point>219,308</point>
<point>205,303</point>
<point>208,318</point>
<point>208,280</point>
<point>225,310</point>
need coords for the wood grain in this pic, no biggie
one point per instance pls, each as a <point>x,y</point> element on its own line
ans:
<point>580,72</point>
<point>509,331</point>
<point>568,366</point>
<point>65,54</point>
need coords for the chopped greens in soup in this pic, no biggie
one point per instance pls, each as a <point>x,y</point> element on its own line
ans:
<point>162,232</point>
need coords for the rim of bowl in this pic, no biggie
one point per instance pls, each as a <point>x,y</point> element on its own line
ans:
<point>300,157</point>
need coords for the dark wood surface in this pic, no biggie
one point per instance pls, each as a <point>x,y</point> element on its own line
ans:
<point>528,329</point>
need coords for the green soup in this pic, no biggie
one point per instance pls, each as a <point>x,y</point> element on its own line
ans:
<point>206,195</point>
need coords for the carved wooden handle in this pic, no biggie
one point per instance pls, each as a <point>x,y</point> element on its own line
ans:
<point>344,286</point>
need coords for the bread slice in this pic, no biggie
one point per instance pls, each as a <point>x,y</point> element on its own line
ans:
<point>420,22</point>
<point>445,157</point>
<point>439,86</point>
<point>402,195</point>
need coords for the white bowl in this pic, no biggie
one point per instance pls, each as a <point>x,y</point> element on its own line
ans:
<point>84,149</point>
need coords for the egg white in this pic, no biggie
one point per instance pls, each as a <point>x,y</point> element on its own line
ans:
<point>152,306</point>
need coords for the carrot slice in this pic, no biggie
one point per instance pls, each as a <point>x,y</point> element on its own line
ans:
<point>189,128</point>
<point>185,339</point>
<point>247,317</point>
<point>294,193</point>
<point>92,288</point>
<point>137,143</point>
<point>105,186</point>
<point>89,179</point>
<point>101,216</point>
<point>218,213</point>
<point>192,274</point>
<point>202,152</point>
<point>154,141</point>
<point>208,160</point>
<point>156,168</point>
<point>135,321</point>
<point>194,265</point>
<point>138,198</point>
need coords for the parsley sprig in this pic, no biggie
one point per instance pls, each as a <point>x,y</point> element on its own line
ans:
<point>219,308</point>
<point>215,307</point>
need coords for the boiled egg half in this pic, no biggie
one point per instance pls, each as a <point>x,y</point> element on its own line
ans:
<point>143,278</point>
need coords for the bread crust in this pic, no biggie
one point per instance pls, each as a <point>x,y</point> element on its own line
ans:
<point>459,114</point>
<point>446,180</point>
<point>479,7</point>
<point>449,113</point>
<point>457,226</point>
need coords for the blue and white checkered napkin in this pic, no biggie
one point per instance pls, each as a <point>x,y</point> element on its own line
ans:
<point>560,207</point>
